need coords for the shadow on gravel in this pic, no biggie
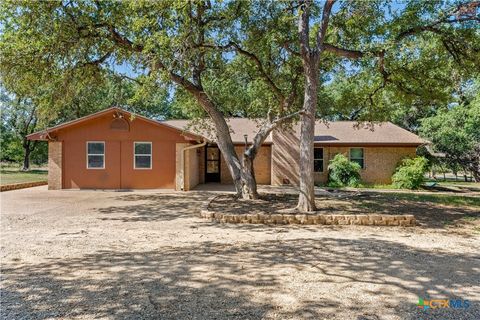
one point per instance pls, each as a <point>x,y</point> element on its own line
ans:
<point>431,211</point>
<point>213,281</point>
<point>153,207</point>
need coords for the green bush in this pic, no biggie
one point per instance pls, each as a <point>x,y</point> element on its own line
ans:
<point>343,172</point>
<point>410,173</point>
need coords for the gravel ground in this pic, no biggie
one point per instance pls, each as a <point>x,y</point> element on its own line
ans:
<point>118,255</point>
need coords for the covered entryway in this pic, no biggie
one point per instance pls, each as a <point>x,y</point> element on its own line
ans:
<point>212,167</point>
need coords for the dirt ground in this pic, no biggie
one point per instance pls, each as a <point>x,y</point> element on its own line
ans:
<point>118,255</point>
<point>460,214</point>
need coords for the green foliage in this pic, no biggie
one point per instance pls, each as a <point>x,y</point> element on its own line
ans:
<point>410,174</point>
<point>455,131</point>
<point>67,49</point>
<point>343,172</point>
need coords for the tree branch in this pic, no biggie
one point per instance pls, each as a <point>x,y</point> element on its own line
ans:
<point>346,53</point>
<point>464,12</point>
<point>95,62</point>
<point>324,25</point>
<point>304,28</point>
<point>124,41</point>
<point>276,90</point>
<point>264,131</point>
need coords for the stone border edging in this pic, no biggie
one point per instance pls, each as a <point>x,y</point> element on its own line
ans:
<point>308,219</point>
<point>16,186</point>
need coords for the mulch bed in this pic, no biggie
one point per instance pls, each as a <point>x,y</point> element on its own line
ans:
<point>352,203</point>
<point>284,203</point>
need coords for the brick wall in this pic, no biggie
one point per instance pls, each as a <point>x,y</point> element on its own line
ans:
<point>189,176</point>
<point>179,182</point>
<point>285,157</point>
<point>261,165</point>
<point>55,165</point>
<point>192,169</point>
<point>201,165</point>
<point>380,162</point>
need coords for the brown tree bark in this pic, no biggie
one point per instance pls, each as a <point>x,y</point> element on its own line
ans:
<point>241,171</point>
<point>306,199</point>
<point>26,156</point>
<point>310,60</point>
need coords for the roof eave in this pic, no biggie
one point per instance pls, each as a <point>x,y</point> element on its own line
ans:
<point>370,144</point>
<point>43,134</point>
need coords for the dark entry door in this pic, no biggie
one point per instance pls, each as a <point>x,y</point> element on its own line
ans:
<point>212,167</point>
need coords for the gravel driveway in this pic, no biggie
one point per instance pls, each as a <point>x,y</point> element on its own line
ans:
<point>117,255</point>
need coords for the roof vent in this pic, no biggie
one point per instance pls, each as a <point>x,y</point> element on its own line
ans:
<point>120,124</point>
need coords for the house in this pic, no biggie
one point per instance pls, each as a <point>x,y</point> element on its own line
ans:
<point>114,149</point>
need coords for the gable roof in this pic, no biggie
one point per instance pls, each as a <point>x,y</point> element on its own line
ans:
<point>238,128</point>
<point>332,133</point>
<point>44,134</point>
<point>354,133</point>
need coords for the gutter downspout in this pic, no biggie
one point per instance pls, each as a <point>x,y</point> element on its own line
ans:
<point>182,162</point>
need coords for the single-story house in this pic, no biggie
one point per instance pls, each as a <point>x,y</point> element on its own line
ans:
<point>114,149</point>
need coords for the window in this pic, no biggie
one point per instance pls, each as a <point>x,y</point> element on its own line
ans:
<point>356,155</point>
<point>95,155</point>
<point>142,155</point>
<point>318,160</point>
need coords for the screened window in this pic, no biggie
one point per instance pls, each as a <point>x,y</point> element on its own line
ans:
<point>318,160</point>
<point>356,155</point>
<point>143,155</point>
<point>96,155</point>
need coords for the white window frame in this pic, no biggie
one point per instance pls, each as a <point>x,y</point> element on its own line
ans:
<point>96,154</point>
<point>151,155</point>
<point>363,153</point>
<point>315,159</point>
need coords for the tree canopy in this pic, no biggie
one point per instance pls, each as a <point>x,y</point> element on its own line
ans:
<point>374,60</point>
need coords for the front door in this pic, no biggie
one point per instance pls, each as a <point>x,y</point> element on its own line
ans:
<point>212,167</point>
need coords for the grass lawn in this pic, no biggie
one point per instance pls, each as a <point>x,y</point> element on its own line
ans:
<point>452,200</point>
<point>10,176</point>
<point>451,184</point>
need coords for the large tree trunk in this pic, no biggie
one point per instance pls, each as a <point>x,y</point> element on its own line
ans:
<point>310,60</point>
<point>26,159</point>
<point>306,199</point>
<point>243,179</point>
<point>26,154</point>
<point>473,164</point>
<point>249,183</point>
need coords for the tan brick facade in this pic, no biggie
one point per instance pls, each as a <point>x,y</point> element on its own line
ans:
<point>55,158</point>
<point>380,161</point>
<point>285,157</point>
<point>261,165</point>
<point>191,174</point>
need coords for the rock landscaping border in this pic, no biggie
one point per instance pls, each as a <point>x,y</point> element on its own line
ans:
<point>309,219</point>
<point>15,186</point>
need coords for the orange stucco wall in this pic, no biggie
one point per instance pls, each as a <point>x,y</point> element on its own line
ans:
<point>119,172</point>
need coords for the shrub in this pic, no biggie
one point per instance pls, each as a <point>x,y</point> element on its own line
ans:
<point>343,172</point>
<point>410,173</point>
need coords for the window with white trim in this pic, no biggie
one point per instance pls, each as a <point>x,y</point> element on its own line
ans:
<point>357,155</point>
<point>318,159</point>
<point>142,155</point>
<point>95,155</point>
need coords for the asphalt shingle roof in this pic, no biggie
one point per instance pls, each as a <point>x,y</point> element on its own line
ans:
<point>336,132</point>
